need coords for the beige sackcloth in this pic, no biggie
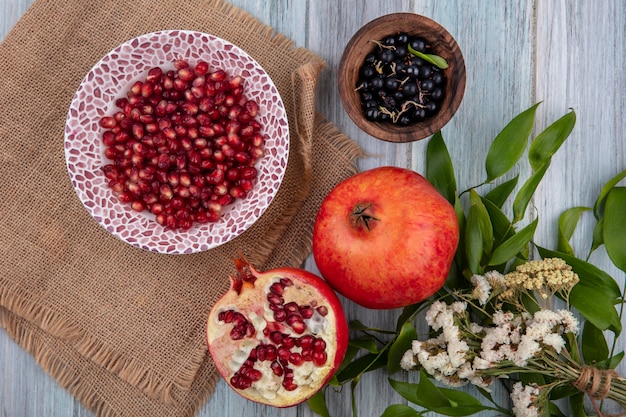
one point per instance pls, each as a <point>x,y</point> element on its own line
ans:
<point>123,329</point>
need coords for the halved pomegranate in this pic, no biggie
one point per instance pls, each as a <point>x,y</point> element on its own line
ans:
<point>277,336</point>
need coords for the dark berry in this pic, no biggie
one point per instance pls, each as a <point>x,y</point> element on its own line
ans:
<point>426,72</point>
<point>367,72</point>
<point>389,41</point>
<point>409,89</point>
<point>404,120</point>
<point>431,107</point>
<point>377,83</point>
<point>437,78</point>
<point>401,67</point>
<point>386,56</point>
<point>401,51</point>
<point>413,70</point>
<point>370,58</point>
<point>392,84</point>
<point>437,93</point>
<point>402,39</point>
<point>372,113</point>
<point>371,103</point>
<point>427,85</point>
<point>398,96</point>
<point>418,44</point>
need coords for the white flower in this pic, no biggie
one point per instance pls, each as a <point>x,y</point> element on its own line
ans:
<point>525,350</point>
<point>458,307</point>
<point>434,311</point>
<point>547,316</point>
<point>482,289</point>
<point>408,360</point>
<point>481,363</point>
<point>416,346</point>
<point>569,322</point>
<point>475,328</point>
<point>495,279</point>
<point>538,330</point>
<point>500,317</point>
<point>523,398</point>
<point>466,371</point>
<point>555,341</point>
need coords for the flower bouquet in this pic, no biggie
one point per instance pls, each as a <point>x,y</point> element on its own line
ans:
<point>533,319</point>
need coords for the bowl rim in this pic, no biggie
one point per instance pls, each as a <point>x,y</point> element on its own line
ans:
<point>356,49</point>
<point>87,178</point>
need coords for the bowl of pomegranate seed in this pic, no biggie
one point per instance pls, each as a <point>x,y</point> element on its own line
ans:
<point>176,141</point>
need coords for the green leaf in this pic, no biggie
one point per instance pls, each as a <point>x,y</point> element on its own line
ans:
<point>357,325</point>
<point>436,60</point>
<point>366,363</point>
<point>577,405</point>
<point>594,346</point>
<point>513,245</point>
<point>554,410</point>
<point>598,207</point>
<point>499,194</point>
<point>474,240</point>
<point>595,293</point>
<point>526,193</point>
<point>486,228</point>
<point>400,410</point>
<point>612,362</point>
<point>502,227</point>
<point>317,404</point>
<point>567,224</point>
<point>509,145</point>
<point>615,227</point>
<point>407,313</point>
<point>366,343</point>
<point>402,343</point>
<point>598,236</point>
<point>449,402</point>
<point>550,140</point>
<point>439,168</point>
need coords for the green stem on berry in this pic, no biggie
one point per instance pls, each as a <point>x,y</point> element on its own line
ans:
<point>436,60</point>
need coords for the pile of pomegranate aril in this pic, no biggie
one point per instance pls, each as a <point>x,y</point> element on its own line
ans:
<point>288,341</point>
<point>183,144</point>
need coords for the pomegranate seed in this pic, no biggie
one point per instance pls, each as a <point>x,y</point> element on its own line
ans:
<point>108,122</point>
<point>319,358</point>
<point>136,88</point>
<point>154,75</point>
<point>295,358</point>
<point>201,68</point>
<point>279,315</point>
<point>277,288</point>
<point>147,89</point>
<point>187,121</point>
<point>219,75</point>
<point>276,337</point>
<point>138,205</point>
<point>277,369</point>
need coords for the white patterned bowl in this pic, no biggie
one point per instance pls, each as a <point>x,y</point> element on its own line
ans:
<point>109,80</point>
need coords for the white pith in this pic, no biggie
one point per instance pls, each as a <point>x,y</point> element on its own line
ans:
<point>307,376</point>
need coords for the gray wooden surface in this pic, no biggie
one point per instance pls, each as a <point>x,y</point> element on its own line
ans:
<point>568,54</point>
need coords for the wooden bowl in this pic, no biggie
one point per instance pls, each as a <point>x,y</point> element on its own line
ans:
<point>442,44</point>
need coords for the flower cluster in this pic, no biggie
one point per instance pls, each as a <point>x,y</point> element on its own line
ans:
<point>463,351</point>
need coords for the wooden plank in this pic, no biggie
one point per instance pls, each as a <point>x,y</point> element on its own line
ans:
<point>580,65</point>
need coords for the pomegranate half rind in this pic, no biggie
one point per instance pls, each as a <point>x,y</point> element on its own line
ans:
<point>267,349</point>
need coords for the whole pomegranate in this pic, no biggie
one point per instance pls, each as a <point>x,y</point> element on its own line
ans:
<point>277,336</point>
<point>385,238</point>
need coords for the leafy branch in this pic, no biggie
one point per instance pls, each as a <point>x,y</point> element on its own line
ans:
<point>491,241</point>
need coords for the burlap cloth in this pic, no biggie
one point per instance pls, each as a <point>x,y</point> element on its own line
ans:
<point>120,328</point>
